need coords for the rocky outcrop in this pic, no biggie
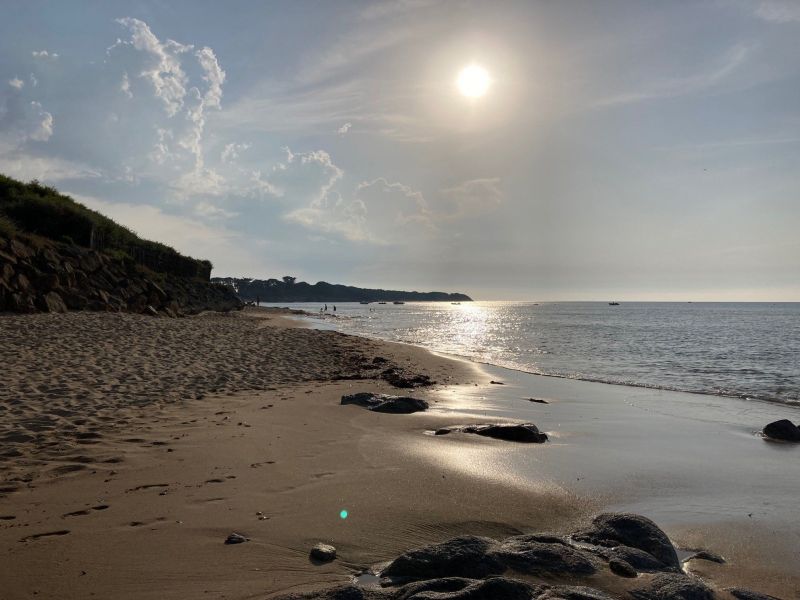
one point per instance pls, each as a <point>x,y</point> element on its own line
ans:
<point>783,430</point>
<point>38,275</point>
<point>386,404</point>
<point>526,433</point>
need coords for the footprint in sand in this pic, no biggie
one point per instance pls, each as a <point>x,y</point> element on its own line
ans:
<point>147,487</point>
<point>36,536</point>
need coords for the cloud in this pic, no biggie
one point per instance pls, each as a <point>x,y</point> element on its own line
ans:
<point>344,128</point>
<point>161,65</point>
<point>231,152</point>
<point>16,83</point>
<point>41,123</point>
<point>471,198</point>
<point>778,11</point>
<point>25,166</point>
<point>33,80</point>
<point>44,54</point>
<point>125,85</point>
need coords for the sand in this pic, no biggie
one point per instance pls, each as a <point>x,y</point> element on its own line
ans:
<point>133,446</point>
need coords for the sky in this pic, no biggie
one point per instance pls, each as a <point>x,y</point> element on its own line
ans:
<point>627,150</point>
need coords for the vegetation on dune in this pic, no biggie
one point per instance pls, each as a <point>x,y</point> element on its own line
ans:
<point>34,209</point>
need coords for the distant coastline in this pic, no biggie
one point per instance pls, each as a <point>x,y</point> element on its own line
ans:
<point>288,289</point>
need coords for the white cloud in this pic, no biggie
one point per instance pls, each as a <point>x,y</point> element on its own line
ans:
<point>41,123</point>
<point>23,166</point>
<point>33,80</point>
<point>125,85</point>
<point>214,76</point>
<point>344,128</point>
<point>44,54</point>
<point>231,152</point>
<point>779,11</point>
<point>162,68</point>
<point>16,83</point>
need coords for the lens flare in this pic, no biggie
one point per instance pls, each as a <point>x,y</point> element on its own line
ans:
<point>343,514</point>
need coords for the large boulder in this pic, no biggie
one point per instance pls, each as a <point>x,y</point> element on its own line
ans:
<point>783,430</point>
<point>524,432</point>
<point>386,404</point>
<point>456,588</point>
<point>463,556</point>
<point>626,529</point>
<point>52,302</point>
<point>674,586</point>
<point>544,555</point>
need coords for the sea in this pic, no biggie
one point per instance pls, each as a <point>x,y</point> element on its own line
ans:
<point>741,350</point>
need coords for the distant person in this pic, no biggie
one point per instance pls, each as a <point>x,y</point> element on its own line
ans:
<point>258,300</point>
<point>326,307</point>
<point>334,308</point>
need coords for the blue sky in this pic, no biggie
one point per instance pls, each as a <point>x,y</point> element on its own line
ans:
<point>629,150</point>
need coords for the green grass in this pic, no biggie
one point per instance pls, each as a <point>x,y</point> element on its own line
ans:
<point>38,210</point>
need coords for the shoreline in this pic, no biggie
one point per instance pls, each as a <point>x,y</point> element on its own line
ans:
<point>325,457</point>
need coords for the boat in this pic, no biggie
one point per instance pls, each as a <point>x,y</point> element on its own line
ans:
<point>398,302</point>
<point>613,303</point>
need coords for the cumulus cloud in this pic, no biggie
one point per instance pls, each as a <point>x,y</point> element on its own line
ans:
<point>125,85</point>
<point>41,123</point>
<point>16,83</point>
<point>344,128</point>
<point>231,152</point>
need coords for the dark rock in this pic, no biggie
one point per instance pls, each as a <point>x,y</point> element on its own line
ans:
<point>673,586</point>
<point>400,379</point>
<point>469,589</point>
<point>621,568</point>
<point>538,400</point>
<point>783,430</point>
<point>386,404</point>
<point>463,556</point>
<point>236,538</point>
<point>543,555</point>
<point>638,559</point>
<point>497,382</point>
<point>706,555</point>
<point>53,303</point>
<point>745,594</point>
<point>344,592</point>
<point>442,431</point>
<point>573,592</point>
<point>627,529</point>
<point>523,432</point>
<point>323,552</point>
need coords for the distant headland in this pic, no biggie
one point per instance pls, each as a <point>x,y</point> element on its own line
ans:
<point>287,289</point>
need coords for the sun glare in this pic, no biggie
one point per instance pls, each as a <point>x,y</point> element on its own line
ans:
<point>473,81</point>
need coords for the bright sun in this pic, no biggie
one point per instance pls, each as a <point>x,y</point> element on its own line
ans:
<point>473,81</point>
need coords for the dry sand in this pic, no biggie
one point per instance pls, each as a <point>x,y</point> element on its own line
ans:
<point>133,446</point>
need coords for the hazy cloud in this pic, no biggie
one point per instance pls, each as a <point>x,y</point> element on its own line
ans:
<point>16,83</point>
<point>344,128</point>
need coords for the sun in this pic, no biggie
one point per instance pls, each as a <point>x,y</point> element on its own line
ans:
<point>473,81</point>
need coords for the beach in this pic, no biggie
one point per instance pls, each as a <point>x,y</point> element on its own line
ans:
<point>133,446</point>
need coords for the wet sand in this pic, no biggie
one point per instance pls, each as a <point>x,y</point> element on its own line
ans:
<point>214,425</point>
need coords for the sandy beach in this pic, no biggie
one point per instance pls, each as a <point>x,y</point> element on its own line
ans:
<point>133,446</point>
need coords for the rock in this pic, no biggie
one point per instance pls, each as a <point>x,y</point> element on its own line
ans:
<point>638,559</point>
<point>149,310</point>
<point>674,586</point>
<point>236,538</point>
<point>783,430</point>
<point>323,552</point>
<point>497,382</point>
<point>706,555</point>
<point>442,431</point>
<point>573,592</point>
<point>463,556</point>
<point>544,555</point>
<point>523,432</point>
<point>455,588</point>
<point>538,400</point>
<point>400,379</point>
<point>386,404</point>
<point>610,529</point>
<point>621,568</point>
<point>53,303</point>
<point>745,594</point>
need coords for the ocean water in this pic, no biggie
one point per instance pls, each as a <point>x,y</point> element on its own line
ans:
<point>744,350</point>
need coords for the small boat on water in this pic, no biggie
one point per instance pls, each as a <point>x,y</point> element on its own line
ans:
<point>398,302</point>
<point>613,303</point>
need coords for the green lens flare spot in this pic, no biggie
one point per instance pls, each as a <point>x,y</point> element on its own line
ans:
<point>343,514</point>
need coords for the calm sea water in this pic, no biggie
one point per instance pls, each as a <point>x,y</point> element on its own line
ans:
<point>747,350</point>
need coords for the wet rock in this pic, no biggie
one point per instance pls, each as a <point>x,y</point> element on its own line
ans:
<point>783,430</point>
<point>673,586</point>
<point>453,588</point>
<point>386,404</point>
<point>538,400</point>
<point>236,538</point>
<point>463,556</point>
<point>745,594</point>
<point>543,555</point>
<point>323,552</point>
<point>621,568</point>
<point>344,592</point>
<point>442,431</point>
<point>611,529</point>
<point>523,432</point>
<point>638,559</point>
<point>496,382</point>
<point>706,555</point>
